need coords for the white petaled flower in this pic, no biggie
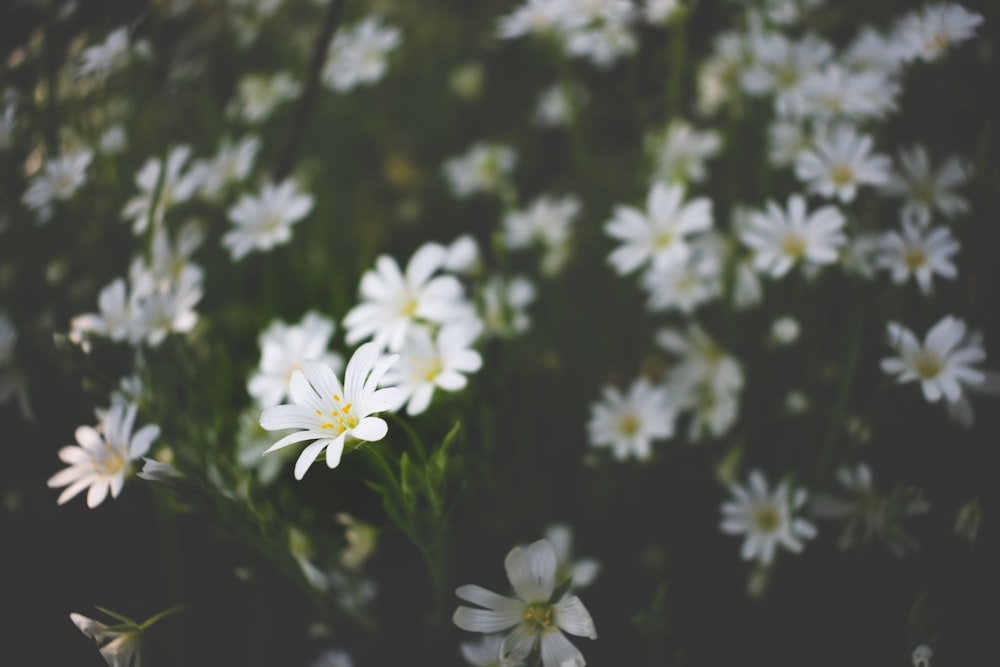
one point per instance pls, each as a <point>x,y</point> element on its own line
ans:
<point>258,95</point>
<point>283,348</point>
<point>605,40</point>
<point>871,51</point>
<point>503,305</point>
<point>679,154</point>
<point>533,620</point>
<point>332,415</point>
<point>943,363</point>
<point>785,330</point>
<point>768,519</point>
<point>788,139</point>
<point>117,318</point>
<point>839,163</point>
<point>119,648</point>
<point>582,571</point>
<point>780,239</point>
<point>359,55</point>
<point>931,32</point>
<point>463,256</point>
<point>483,168</point>
<point>628,423</point>
<point>440,361</point>
<point>264,221</point>
<point>779,65</point>
<point>557,105</point>
<point>686,286</point>
<point>104,58</point>
<point>660,12</point>
<point>547,222</point>
<point>333,658</point>
<point>175,188</point>
<point>103,457</point>
<point>925,189</point>
<point>534,16</point>
<point>659,235</point>
<point>922,656</point>
<point>232,164</point>
<point>919,251</point>
<point>60,180</point>
<point>835,92</point>
<point>392,300</point>
<point>159,307</point>
<point>719,75</point>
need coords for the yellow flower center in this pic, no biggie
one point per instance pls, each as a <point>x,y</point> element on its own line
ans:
<point>628,424</point>
<point>341,417</point>
<point>538,619</point>
<point>841,175</point>
<point>928,365</point>
<point>793,245</point>
<point>914,258</point>
<point>766,519</point>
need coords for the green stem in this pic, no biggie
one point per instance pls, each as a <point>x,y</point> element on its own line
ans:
<point>162,615</point>
<point>418,444</point>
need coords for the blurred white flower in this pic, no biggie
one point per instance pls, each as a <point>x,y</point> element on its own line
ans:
<point>259,94</point>
<point>768,519</point>
<point>680,152</point>
<point>103,457</point>
<point>839,162</point>
<point>922,656</point>
<point>59,182</point>
<point>485,652</point>
<point>583,571</point>
<point>103,59</point>
<point>503,305</point>
<point>264,221</point>
<point>333,658</point>
<point>231,164</point>
<point>925,189</point>
<point>163,182</point>
<point>780,239</point>
<point>919,251</point>
<point>359,54</point>
<point>629,423</point>
<point>785,330</point>
<point>661,12</point>
<point>779,65</point>
<point>533,620</point>
<point>483,168</point>
<point>929,33</point>
<point>331,415</point>
<point>548,223</point>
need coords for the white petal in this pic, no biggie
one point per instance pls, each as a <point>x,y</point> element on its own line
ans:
<point>308,456</point>
<point>502,605</point>
<point>574,618</point>
<point>370,429</point>
<point>482,620</point>
<point>532,571</point>
<point>557,651</point>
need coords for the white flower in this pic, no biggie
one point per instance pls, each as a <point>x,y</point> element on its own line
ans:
<point>686,286</point>
<point>547,222</point>
<point>59,181</point>
<point>871,51</point>
<point>532,619</point>
<point>427,363</point>
<point>779,65</point>
<point>283,348</point>
<point>781,239</point>
<point>231,164</point>
<point>920,251</point>
<point>103,457</point>
<point>463,256</point>
<point>104,58</point>
<point>159,307</point>
<point>629,423</point>
<point>534,16</point>
<point>258,95</point>
<point>582,571</point>
<point>926,189</point>
<point>393,301</point>
<point>768,519</point>
<point>943,364</point>
<point>117,319</point>
<point>922,656</point>
<point>788,139</point>
<point>679,154</point>
<point>604,39</point>
<point>557,104</point>
<point>119,648</point>
<point>785,330</point>
<point>329,413</point>
<point>333,658</point>
<point>503,305</point>
<point>264,221</point>
<point>359,55</point>
<point>660,12</point>
<point>113,140</point>
<point>483,168</point>
<point>485,652</point>
<point>928,35</point>
<point>835,92</point>
<point>660,235</point>
<point>719,75</point>
<point>841,162</point>
<point>175,189</point>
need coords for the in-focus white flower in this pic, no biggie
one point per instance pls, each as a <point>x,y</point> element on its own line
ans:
<point>925,189</point>
<point>768,519</point>
<point>359,55</point>
<point>258,95</point>
<point>103,59</point>
<point>264,221</point>
<point>919,251</point>
<point>780,239</point>
<point>283,348</point>
<point>583,571</point>
<point>660,235</point>
<point>928,34</point>
<point>439,361</point>
<point>679,153</point>
<point>392,301</point>
<point>331,415</point>
<point>840,162</point>
<point>944,363</point>
<point>103,457</point>
<point>533,620</point>
<point>483,168</point>
<point>174,189</point>
<point>60,180</point>
<point>119,648</point>
<point>629,423</point>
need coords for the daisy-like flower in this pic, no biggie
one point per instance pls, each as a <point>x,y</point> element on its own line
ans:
<point>788,140</point>
<point>547,222</point>
<point>628,423</point>
<point>264,221</point>
<point>766,518</point>
<point>719,75</point>
<point>599,30</point>
<point>360,55</point>
<point>943,363</point>
<point>232,164</point>
<point>835,92</point>
<point>175,189</point>
<point>839,163</point>
<point>104,58</point>
<point>780,239</point>
<point>103,457</point>
<point>679,154</point>
<point>115,320</point>
<point>925,189</point>
<point>434,362</point>
<point>483,168</point>
<point>331,415</point>
<point>118,647</point>
<point>393,300</point>
<point>927,35</point>
<point>533,620</point>
<point>685,286</point>
<point>60,180</point>
<point>283,348</point>
<point>658,236</point>
<point>779,64</point>
<point>503,305</point>
<point>919,251</point>
<point>871,51</point>
<point>258,95</point>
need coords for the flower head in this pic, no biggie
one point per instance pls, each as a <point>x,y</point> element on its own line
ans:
<point>534,620</point>
<point>840,163</point>
<point>330,414</point>
<point>119,648</point>
<point>920,251</point>
<point>781,239</point>
<point>264,221</point>
<point>629,423</point>
<point>360,55</point>
<point>766,518</point>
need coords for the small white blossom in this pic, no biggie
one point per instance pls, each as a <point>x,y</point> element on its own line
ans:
<point>679,154</point>
<point>583,571</point>
<point>839,163</point>
<point>175,188</point>
<point>926,190</point>
<point>927,35</point>
<point>118,647</point>
<point>780,239</point>
<point>483,168</point>
<point>766,518</point>
<point>103,59</point>
<point>58,182</point>
<point>661,12</point>
<point>359,55</point>
<point>919,251</point>
<point>503,305</point>
<point>629,423</point>
<point>547,222</point>
<point>231,164</point>
<point>258,95</point>
<point>264,221</point>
